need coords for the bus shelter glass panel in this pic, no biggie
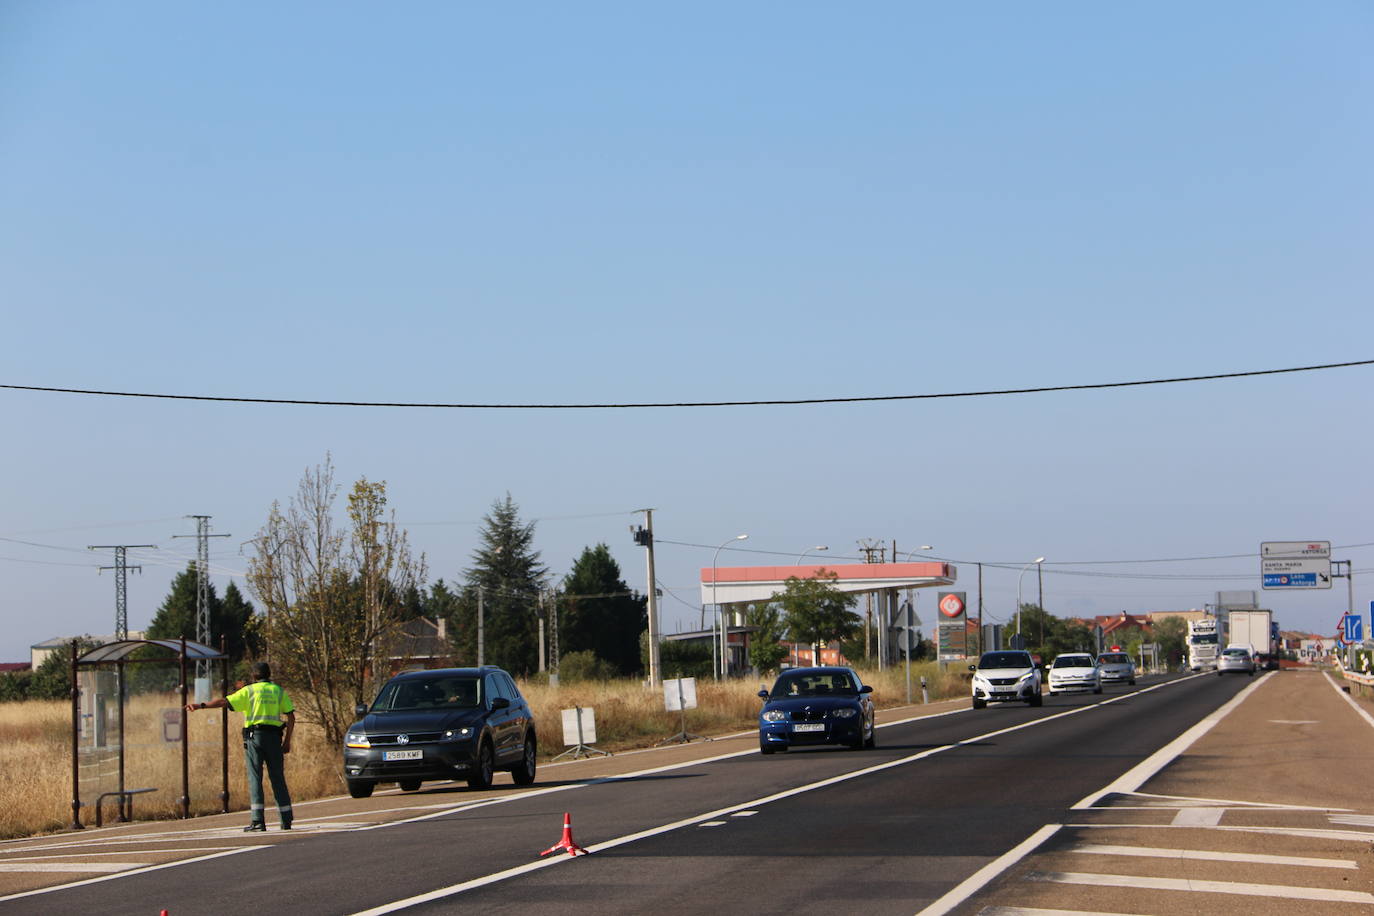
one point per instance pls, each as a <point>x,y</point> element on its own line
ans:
<point>98,737</point>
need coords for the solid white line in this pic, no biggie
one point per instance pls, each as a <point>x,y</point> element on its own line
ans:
<point>1036,911</point>
<point>125,874</point>
<point>1139,774</point>
<point>983,876</point>
<point>97,867</point>
<point>1198,817</point>
<point>1153,852</point>
<point>1286,892</point>
<point>1348,698</point>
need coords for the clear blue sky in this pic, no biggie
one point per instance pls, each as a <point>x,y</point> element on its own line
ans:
<point>577,203</point>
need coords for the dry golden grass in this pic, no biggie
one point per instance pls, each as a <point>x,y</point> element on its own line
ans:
<point>35,757</point>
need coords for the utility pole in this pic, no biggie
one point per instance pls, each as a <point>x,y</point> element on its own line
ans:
<point>1041,579</point>
<point>644,537</point>
<point>982,645</point>
<point>203,635</point>
<point>870,550</point>
<point>121,568</point>
<point>480,635</point>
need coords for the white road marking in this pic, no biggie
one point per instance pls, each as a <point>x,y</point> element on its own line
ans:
<point>712,823</point>
<point>1036,911</point>
<point>1198,817</point>
<point>137,871</point>
<point>744,814</point>
<point>1255,858</point>
<point>1295,721</point>
<point>1184,801</point>
<point>1345,696</point>
<point>1354,820</point>
<point>97,867</point>
<point>1139,774</point>
<point>1287,892</point>
<point>1313,833</point>
<point>979,879</point>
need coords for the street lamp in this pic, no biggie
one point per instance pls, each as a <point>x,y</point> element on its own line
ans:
<point>809,549</point>
<point>1037,561</point>
<point>723,637</point>
<point>922,547</point>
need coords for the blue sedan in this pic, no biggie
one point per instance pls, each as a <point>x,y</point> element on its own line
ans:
<point>811,706</point>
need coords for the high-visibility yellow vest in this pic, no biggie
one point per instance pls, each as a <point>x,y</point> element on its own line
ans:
<point>262,703</point>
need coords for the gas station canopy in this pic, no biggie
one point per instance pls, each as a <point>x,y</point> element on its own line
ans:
<point>743,584</point>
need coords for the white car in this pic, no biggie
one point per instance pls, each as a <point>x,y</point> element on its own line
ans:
<point>1236,659</point>
<point>1116,666</point>
<point>1007,675</point>
<point>1074,672</point>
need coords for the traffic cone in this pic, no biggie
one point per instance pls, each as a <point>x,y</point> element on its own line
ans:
<point>567,842</point>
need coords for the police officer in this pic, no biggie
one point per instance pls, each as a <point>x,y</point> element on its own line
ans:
<point>268,720</point>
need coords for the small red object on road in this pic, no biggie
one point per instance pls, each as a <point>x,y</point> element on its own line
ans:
<point>567,842</point>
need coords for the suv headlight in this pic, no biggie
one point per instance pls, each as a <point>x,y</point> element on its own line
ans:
<point>845,713</point>
<point>357,739</point>
<point>775,715</point>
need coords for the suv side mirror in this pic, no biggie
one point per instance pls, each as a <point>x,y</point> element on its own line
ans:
<point>973,667</point>
<point>360,710</point>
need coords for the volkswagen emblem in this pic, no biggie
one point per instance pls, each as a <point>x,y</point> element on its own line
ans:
<point>402,739</point>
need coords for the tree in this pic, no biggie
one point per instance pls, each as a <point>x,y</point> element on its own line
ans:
<point>683,659</point>
<point>506,578</point>
<point>766,649</point>
<point>229,616</point>
<point>333,598</point>
<point>1172,635</point>
<point>816,611</point>
<point>598,612</point>
<point>52,679</point>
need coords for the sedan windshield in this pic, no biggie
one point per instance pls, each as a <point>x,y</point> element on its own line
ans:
<point>1004,660</point>
<point>1114,660</point>
<point>442,692</point>
<point>1073,661</point>
<point>830,683</point>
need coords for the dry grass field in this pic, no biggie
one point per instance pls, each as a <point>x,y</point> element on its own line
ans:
<point>36,765</point>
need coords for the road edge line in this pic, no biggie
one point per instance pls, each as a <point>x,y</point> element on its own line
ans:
<point>985,875</point>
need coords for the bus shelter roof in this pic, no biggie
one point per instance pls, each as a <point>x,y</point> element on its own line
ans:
<point>118,650</point>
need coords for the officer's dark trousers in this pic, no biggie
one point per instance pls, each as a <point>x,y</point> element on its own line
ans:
<point>262,747</point>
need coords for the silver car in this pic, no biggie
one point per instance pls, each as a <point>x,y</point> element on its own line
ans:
<point>1116,668</point>
<point>1236,660</point>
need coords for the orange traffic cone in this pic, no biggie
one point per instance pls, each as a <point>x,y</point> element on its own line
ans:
<point>567,842</point>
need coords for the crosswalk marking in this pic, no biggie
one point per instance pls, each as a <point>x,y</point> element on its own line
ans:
<point>1198,817</point>
<point>1190,854</point>
<point>1288,892</point>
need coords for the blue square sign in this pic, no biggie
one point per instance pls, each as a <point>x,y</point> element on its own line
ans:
<point>1354,628</point>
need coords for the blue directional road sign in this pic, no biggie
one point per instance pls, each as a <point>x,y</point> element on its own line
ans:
<point>1290,580</point>
<point>1354,628</point>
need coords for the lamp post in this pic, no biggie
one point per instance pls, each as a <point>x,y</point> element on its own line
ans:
<point>809,549</point>
<point>1037,561</point>
<point>723,635</point>
<point>922,547</point>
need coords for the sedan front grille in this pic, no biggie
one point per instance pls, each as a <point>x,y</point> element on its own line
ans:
<point>808,715</point>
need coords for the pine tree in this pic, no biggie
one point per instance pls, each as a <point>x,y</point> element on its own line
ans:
<point>507,573</point>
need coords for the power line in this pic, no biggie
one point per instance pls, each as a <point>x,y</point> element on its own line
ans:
<point>630,405</point>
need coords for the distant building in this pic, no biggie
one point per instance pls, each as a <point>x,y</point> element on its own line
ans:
<point>421,643</point>
<point>14,667</point>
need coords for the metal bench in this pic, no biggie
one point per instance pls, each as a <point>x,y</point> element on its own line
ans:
<point>126,804</point>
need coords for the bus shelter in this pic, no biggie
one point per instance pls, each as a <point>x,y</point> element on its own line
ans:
<point>100,703</point>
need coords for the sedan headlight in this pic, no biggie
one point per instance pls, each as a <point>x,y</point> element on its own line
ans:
<point>357,739</point>
<point>775,715</point>
<point>846,713</point>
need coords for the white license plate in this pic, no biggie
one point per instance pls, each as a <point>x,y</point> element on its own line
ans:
<point>809,727</point>
<point>415,754</point>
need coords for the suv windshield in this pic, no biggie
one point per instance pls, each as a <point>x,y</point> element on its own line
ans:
<point>1005,660</point>
<point>814,685</point>
<point>444,692</point>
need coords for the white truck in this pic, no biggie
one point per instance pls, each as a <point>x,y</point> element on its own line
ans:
<point>1256,630</point>
<point>1204,642</point>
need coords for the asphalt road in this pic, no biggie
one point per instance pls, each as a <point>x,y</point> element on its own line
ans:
<point>882,831</point>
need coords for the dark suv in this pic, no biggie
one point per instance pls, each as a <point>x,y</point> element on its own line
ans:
<point>449,723</point>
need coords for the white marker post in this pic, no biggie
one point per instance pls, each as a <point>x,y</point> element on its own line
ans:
<point>579,732</point>
<point>680,695</point>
